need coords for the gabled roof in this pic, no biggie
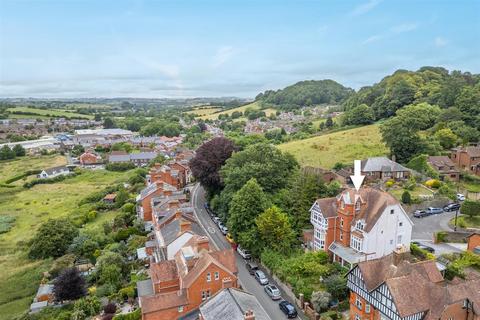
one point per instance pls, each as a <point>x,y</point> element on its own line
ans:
<point>163,271</point>
<point>55,170</point>
<point>163,301</point>
<point>440,161</point>
<point>328,206</point>
<point>232,304</point>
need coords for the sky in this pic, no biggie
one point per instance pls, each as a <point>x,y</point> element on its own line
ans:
<point>177,48</point>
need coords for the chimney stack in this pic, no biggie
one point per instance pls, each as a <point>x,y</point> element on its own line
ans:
<point>399,254</point>
<point>227,283</point>
<point>203,244</point>
<point>249,315</point>
<point>185,225</point>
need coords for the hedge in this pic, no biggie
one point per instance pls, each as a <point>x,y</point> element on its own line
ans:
<point>32,183</point>
<point>23,175</point>
<point>135,315</point>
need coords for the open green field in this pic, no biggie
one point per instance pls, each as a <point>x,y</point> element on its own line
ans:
<point>20,276</point>
<point>58,113</point>
<point>204,111</point>
<point>11,168</point>
<point>253,105</point>
<point>343,146</point>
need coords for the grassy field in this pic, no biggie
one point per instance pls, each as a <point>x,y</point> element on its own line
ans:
<point>53,112</point>
<point>204,111</point>
<point>20,276</point>
<point>11,168</point>
<point>343,146</point>
<point>253,105</point>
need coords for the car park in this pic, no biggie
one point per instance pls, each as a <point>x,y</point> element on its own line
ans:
<point>273,292</point>
<point>245,254</point>
<point>420,214</point>
<point>288,309</point>
<point>432,210</point>
<point>460,197</point>
<point>452,207</point>
<point>251,267</point>
<point>261,277</point>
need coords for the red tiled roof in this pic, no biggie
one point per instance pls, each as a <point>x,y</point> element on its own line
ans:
<point>163,301</point>
<point>163,271</point>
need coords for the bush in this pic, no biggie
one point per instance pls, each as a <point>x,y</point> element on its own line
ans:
<point>56,179</point>
<point>6,223</point>
<point>120,166</point>
<point>433,183</point>
<point>420,253</point>
<point>390,183</point>
<point>406,197</point>
<point>441,236</point>
<point>135,315</point>
<point>110,308</point>
<point>52,239</point>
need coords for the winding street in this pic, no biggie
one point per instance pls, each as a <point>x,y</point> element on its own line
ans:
<point>246,280</point>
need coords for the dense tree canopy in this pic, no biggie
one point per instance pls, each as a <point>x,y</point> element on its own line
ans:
<point>275,229</point>
<point>52,239</point>
<point>208,160</point>
<point>69,285</point>
<point>306,93</point>
<point>361,114</point>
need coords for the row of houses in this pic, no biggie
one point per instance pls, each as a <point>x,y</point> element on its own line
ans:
<point>188,277</point>
<point>460,159</point>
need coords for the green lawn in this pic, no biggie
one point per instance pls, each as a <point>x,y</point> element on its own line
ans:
<point>415,193</point>
<point>51,112</point>
<point>343,146</point>
<point>11,168</point>
<point>253,105</point>
<point>471,186</point>
<point>20,276</point>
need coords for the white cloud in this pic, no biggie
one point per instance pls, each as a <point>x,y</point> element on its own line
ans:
<point>364,8</point>
<point>223,55</point>
<point>406,27</point>
<point>440,42</point>
<point>373,38</point>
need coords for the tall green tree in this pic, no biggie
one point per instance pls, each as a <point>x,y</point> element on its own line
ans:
<point>275,229</point>
<point>69,285</point>
<point>52,239</point>
<point>19,150</point>
<point>108,123</point>
<point>470,208</point>
<point>361,114</point>
<point>245,206</point>
<point>6,153</point>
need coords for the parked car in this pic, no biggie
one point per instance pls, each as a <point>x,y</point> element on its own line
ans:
<point>229,238</point>
<point>205,205</point>
<point>224,230</point>
<point>460,197</point>
<point>216,219</point>
<point>220,225</point>
<point>251,267</point>
<point>451,207</point>
<point>423,246</point>
<point>244,253</point>
<point>288,309</point>
<point>273,292</point>
<point>432,210</point>
<point>261,277</point>
<point>420,214</point>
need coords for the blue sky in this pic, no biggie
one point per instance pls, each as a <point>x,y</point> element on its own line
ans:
<point>224,48</point>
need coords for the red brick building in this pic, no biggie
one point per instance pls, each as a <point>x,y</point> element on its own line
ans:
<point>177,287</point>
<point>473,242</point>
<point>89,158</point>
<point>467,158</point>
<point>166,174</point>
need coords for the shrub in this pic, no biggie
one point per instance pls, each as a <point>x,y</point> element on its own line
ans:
<point>110,308</point>
<point>52,239</point>
<point>135,315</point>
<point>420,253</point>
<point>406,197</point>
<point>389,183</point>
<point>120,166</point>
<point>127,293</point>
<point>433,183</point>
<point>320,300</point>
<point>441,236</point>
<point>6,223</point>
<point>69,285</point>
<point>461,222</point>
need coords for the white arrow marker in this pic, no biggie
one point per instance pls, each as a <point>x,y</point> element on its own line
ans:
<point>357,177</point>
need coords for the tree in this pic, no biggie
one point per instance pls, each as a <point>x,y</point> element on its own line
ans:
<point>361,114</point>
<point>470,208</point>
<point>19,150</point>
<point>77,150</point>
<point>320,300</point>
<point>275,229</point>
<point>406,197</point>
<point>447,138</point>
<point>108,123</point>
<point>69,285</point>
<point>329,122</point>
<point>86,307</point>
<point>121,197</point>
<point>6,153</point>
<point>111,275</point>
<point>52,239</point>
<point>336,285</point>
<point>208,160</point>
<point>246,205</point>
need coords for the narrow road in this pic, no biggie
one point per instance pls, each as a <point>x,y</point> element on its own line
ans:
<point>247,281</point>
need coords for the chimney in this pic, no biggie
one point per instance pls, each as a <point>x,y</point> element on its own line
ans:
<point>178,214</point>
<point>249,315</point>
<point>185,225</point>
<point>203,243</point>
<point>399,254</point>
<point>394,158</point>
<point>227,283</point>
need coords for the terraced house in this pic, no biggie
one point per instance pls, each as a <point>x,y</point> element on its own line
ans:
<point>359,225</point>
<point>394,288</point>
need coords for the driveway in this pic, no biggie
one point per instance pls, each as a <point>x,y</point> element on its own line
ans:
<point>247,281</point>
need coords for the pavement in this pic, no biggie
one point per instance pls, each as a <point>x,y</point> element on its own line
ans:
<point>424,228</point>
<point>246,280</point>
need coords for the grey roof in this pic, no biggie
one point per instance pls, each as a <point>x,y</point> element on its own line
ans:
<point>119,158</point>
<point>382,164</point>
<point>232,304</point>
<point>145,288</point>
<point>45,289</point>
<point>171,230</point>
<point>55,170</point>
<point>346,253</point>
<point>143,156</point>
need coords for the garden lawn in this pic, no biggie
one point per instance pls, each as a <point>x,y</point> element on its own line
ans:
<point>342,146</point>
<point>20,276</point>
<point>471,186</point>
<point>473,222</point>
<point>415,193</point>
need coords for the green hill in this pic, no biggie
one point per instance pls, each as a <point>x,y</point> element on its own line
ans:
<point>343,146</point>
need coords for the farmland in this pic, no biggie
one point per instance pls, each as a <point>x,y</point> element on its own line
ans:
<point>52,113</point>
<point>30,207</point>
<point>343,146</point>
<point>253,105</point>
<point>204,111</point>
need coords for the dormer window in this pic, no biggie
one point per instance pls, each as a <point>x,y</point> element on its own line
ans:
<point>359,225</point>
<point>358,205</point>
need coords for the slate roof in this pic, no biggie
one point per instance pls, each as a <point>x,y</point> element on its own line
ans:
<point>382,164</point>
<point>441,161</point>
<point>145,288</point>
<point>171,231</point>
<point>55,170</point>
<point>118,158</point>
<point>143,156</point>
<point>232,304</point>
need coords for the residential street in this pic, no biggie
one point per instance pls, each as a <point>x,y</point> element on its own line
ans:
<point>247,281</point>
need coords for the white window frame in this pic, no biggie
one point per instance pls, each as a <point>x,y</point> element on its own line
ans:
<point>217,275</point>
<point>367,308</point>
<point>180,309</point>
<point>209,277</point>
<point>358,303</point>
